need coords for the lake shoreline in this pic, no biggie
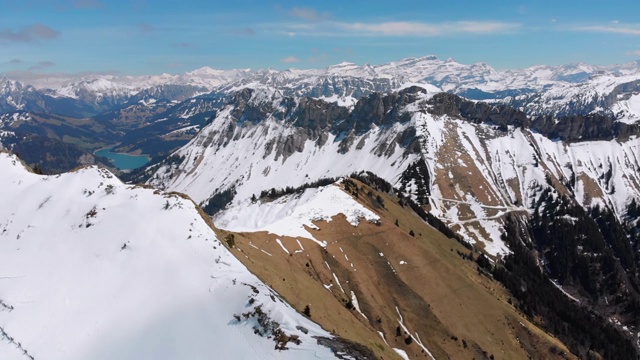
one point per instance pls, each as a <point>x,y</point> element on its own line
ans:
<point>123,161</point>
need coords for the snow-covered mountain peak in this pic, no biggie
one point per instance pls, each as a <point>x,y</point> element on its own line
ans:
<point>95,86</point>
<point>96,269</point>
<point>100,84</point>
<point>8,86</point>
<point>206,71</point>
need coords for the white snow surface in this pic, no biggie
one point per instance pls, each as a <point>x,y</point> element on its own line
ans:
<point>628,110</point>
<point>91,268</point>
<point>290,215</point>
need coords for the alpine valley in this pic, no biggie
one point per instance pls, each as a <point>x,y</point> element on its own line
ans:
<point>416,209</point>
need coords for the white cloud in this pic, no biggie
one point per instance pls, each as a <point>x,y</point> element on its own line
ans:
<point>410,28</point>
<point>290,60</point>
<point>402,28</point>
<point>628,29</point>
<point>634,53</point>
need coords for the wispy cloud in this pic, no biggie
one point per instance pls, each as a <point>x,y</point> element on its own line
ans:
<point>395,28</point>
<point>422,29</point>
<point>87,4</point>
<point>15,61</point>
<point>614,27</point>
<point>42,65</point>
<point>290,60</point>
<point>32,33</point>
<point>309,14</point>
<point>634,53</point>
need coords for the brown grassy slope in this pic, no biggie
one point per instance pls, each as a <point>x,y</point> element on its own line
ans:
<point>455,312</point>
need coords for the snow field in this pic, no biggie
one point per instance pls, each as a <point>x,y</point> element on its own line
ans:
<point>95,269</point>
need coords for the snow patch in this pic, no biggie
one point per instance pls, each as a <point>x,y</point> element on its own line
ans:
<point>291,215</point>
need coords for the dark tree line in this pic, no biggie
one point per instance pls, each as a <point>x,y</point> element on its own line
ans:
<point>581,329</point>
<point>219,201</point>
<point>591,251</point>
<point>275,193</point>
<point>418,175</point>
<point>384,186</point>
<point>47,155</point>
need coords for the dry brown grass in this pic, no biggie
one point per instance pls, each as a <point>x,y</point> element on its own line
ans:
<point>442,298</point>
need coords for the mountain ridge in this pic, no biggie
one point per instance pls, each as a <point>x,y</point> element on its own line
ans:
<point>73,274</point>
<point>522,88</point>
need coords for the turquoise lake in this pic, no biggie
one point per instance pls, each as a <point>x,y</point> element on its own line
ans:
<point>124,161</point>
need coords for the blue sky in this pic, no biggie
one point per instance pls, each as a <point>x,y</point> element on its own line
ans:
<point>154,36</point>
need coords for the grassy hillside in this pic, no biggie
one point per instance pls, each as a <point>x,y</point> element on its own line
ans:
<point>404,286</point>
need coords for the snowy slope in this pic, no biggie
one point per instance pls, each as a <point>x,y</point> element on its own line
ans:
<point>480,174</point>
<point>91,268</point>
<point>290,214</point>
<point>248,158</point>
<point>628,109</point>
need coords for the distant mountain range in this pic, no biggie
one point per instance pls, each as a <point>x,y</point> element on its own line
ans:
<point>536,169</point>
<point>156,114</point>
<point>566,89</point>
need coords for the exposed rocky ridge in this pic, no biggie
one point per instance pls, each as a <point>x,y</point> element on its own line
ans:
<point>313,119</point>
<point>476,165</point>
<point>567,128</point>
<point>578,99</point>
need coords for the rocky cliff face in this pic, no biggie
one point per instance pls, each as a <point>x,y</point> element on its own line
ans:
<point>483,160</point>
